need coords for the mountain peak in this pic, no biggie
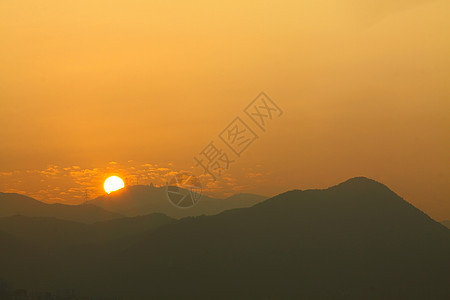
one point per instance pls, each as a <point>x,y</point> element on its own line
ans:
<point>358,197</point>
<point>361,181</point>
<point>363,185</point>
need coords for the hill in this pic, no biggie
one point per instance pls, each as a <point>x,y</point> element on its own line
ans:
<point>354,240</point>
<point>143,199</point>
<point>12,204</point>
<point>44,232</point>
<point>446,223</point>
<point>47,254</point>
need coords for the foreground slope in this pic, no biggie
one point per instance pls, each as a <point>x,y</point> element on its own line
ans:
<point>48,254</point>
<point>356,239</point>
<point>44,232</point>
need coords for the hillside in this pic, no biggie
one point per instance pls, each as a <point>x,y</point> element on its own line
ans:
<point>354,240</point>
<point>446,223</point>
<point>12,204</point>
<point>44,232</point>
<point>143,199</point>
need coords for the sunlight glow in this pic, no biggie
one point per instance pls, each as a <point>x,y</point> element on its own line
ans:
<point>113,183</point>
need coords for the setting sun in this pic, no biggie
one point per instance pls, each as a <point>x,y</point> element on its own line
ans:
<point>113,183</point>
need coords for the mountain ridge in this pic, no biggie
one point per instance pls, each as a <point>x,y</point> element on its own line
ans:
<point>143,199</point>
<point>355,240</point>
<point>16,204</point>
<point>446,223</point>
<point>295,245</point>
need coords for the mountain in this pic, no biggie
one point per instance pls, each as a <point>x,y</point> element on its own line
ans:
<point>5,289</point>
<point>47,232</point>
<point>245,199</point>
<point>143,199</point>
<point>354,240</point>
<point>446,223</point>
<point>47,254</point>
<point>15,204</point>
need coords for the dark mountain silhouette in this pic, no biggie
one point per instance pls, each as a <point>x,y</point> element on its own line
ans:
<point>5,289</point>
<point>446,223</point>
<point>356,240</point>
<point>51,232</point>
<point>15,204</point>
<point>47,254</point>
<point>143,199</point>
<point>15,257</point>
<point>246,199</point>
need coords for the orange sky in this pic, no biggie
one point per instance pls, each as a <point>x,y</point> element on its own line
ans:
<point>364,87</point>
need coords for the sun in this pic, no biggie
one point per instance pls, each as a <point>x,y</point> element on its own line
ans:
<point>113,183</point>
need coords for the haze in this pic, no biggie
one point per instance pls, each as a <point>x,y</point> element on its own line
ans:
<point>137,88</point>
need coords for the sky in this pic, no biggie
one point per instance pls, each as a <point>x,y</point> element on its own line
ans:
<point>138,89</point>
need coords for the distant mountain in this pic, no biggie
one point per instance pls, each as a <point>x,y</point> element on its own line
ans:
<point>15,204</point>
<point>446,223</point>
<point>354,240</point>
<point>143,199</point>
<point>246,199</point>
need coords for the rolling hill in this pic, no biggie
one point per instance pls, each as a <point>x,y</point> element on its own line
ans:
<point>446,223</point>
<point>44,232</point>
<point>15,204</point>
<point>143,199</point>
<point>355,240</point>
<point>46,254</point>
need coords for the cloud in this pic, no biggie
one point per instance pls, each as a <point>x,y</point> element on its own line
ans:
<point>71,184</point>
